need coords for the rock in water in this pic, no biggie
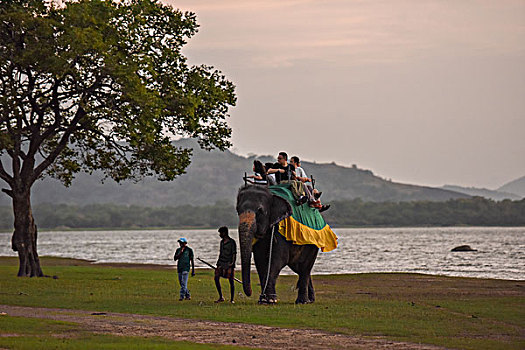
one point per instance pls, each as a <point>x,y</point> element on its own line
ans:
<point>464,248</point>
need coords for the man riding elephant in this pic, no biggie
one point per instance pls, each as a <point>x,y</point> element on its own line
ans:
<point>294,242</point>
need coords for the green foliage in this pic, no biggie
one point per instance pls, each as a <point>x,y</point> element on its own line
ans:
<point>103,85</point>
<point>446,311</point>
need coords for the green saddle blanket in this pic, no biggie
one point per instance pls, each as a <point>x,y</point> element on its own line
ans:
<point>306,225</point>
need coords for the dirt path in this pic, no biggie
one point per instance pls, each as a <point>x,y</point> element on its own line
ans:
<point>207,331</point>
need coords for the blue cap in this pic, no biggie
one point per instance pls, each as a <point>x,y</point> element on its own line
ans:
<point>183,240</point>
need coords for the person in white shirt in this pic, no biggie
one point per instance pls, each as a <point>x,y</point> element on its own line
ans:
<point>314,194</point>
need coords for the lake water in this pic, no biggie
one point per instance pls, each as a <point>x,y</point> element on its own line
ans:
<point>500,251</point>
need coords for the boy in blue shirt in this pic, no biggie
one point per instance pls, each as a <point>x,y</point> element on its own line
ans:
<point>184,255</point>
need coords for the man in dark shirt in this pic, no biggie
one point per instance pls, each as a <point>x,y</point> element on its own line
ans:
<point>282,169</point>
<point>226,263</point>
<point>184,255</point>
<point>285,173</point>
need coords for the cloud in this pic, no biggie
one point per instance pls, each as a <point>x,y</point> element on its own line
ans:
<point>279,33</point>
<point>424,91</point>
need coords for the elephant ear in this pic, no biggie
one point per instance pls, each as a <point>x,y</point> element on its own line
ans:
<point>280,209</point>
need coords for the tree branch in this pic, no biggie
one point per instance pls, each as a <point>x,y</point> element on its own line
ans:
<point>32,99</point>
<point>60,147</point>
<point>4,175</point>
<point>8,192</point>
<point>13,152</point>
<point>56,109</point>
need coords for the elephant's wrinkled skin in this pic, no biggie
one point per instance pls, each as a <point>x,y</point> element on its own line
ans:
<point>259,211</point>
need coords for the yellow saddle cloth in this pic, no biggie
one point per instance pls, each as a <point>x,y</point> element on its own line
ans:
<point>306,225</point>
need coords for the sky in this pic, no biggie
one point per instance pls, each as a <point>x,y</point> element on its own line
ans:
<point>427,92</point>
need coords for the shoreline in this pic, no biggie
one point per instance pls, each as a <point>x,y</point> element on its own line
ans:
<point>402,250</point>
<point>59,261</point>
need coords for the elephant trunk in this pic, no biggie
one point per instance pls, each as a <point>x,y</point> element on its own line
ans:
<point>246,233</point>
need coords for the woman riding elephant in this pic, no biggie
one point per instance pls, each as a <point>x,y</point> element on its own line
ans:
<point>259,211</point>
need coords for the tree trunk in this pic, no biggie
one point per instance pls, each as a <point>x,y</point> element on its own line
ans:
<point>25,236</point>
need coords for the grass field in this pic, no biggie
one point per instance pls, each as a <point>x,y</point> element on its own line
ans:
<point>451,312</point>
<point>34,334</point>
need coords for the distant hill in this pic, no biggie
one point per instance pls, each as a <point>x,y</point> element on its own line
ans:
<point>517,187</point>
<point>216,176</point>
<point>483,192</point>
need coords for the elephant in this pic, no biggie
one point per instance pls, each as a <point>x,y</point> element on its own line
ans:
<point>259,211</point>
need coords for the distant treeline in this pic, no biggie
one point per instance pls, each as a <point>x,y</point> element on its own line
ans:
<point>477,211</point>
<point>472,212</point>
<point>52,216</point>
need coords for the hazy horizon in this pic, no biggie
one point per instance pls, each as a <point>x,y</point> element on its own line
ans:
<point>494,188</point>
<point>424,92</point>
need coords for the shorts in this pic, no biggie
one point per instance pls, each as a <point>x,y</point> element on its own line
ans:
<point>226,272</point>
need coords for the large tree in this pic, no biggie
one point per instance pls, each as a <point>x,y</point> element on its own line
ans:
<point>95,85</point>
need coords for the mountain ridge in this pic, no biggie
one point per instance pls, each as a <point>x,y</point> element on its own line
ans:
<point>216,176</point>
<point>496,195</point>
<point>515,186</point>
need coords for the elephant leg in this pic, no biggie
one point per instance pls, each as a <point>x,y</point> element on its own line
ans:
<point>269,294</point>
<point>302,286</point>
<point>311,291</point>
<point>260,257</point>
<point>302,262</point>
<point>276,263</point>
<point>261,261</point>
